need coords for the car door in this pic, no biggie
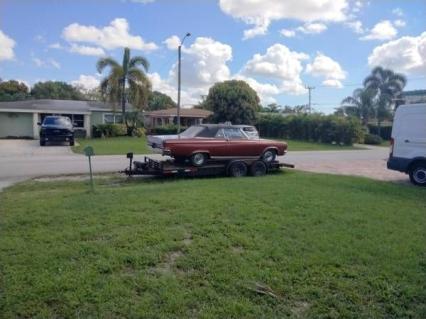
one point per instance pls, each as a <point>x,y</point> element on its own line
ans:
<point>238,143</point>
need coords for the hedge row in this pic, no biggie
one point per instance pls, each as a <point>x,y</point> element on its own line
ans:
<point>315,128</point>
<point>385,131</point>
<point>114,130</point>
<point>165,130</point>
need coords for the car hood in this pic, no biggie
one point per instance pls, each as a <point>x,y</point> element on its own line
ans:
<point>58,127</point>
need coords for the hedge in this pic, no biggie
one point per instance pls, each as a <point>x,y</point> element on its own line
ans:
<point>385,131</point>
<point>315,128</point>
<point>165,130</point>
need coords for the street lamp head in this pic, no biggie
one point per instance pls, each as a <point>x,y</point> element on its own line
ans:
<point>188,34</point>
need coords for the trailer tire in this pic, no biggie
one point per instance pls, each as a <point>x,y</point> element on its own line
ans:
<point>258,168</point>
<point>237,169</point>
<point>198,159</point>
<point>417,173</point>
<point>269,156</point>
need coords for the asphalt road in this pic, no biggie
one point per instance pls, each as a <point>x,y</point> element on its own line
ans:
<point>25,159</point>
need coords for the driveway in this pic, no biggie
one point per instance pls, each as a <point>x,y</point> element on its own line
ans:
<point>25,159</point>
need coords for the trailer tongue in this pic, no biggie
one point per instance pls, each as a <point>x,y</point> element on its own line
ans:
<point>232,167</point>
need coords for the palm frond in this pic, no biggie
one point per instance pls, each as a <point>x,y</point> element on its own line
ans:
<point>139,60</point>
<point>105,62</point>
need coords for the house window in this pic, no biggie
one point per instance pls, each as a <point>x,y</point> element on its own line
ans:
<point>111,118</point>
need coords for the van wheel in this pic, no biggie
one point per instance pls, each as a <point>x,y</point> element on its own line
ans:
<point>198,159</point>
<point>258,168</point>
<point>237,169</point>
<point>269,156</point>
<point>418,174</point>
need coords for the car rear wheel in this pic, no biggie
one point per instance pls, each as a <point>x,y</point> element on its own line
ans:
<point>258,168</point>
<point>269,156</point>
<point>237,169</point>
<point>198,159</point>
<point>418,174</point>
<point>42,143</point>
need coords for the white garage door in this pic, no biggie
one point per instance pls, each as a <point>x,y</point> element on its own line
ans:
<point>16,124</point>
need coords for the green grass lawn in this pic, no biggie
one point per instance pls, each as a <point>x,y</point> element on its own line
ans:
<point>113,145</point>
<point>123,145</point>
<point>313,246</point>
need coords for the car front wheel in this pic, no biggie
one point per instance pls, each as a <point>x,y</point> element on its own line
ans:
<point>42,143</point>
<point>72,142</point>
<point>198,159</point>
<point>418,174</point>
<point>269,156</point>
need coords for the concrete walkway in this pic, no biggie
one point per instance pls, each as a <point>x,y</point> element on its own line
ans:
<point>25,159</point>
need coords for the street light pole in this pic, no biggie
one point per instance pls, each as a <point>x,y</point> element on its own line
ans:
<point>179,80</point>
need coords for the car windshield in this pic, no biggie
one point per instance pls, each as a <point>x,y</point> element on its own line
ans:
<point>59,121</point>
<point>192,131</point>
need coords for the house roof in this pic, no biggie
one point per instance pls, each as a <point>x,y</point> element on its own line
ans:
<point>414,92</point>
<point>198,113</point>
<point>60,106</point>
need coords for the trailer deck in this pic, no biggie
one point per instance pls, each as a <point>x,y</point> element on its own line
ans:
<point>230,167</point>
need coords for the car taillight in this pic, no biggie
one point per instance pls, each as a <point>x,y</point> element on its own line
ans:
<point>392,142</point>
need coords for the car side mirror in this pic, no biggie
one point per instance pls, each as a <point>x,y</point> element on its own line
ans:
<point>38,123</point>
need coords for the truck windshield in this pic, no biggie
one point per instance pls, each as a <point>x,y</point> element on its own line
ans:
<point>59,121</point>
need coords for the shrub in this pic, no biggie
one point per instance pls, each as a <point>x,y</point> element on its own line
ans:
<point>372,139</point>
<point>165,130</point>
<point>109,130</point>
<point>139,132</point>
<point>385,131</point>
<point>315,127</point>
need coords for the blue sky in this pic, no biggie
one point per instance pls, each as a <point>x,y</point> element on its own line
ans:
<point>277,46</point>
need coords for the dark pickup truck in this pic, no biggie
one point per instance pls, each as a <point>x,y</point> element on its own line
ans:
<point>56,129</point>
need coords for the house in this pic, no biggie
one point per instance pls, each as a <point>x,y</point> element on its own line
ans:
<point>414,97</point>
<point>165,117</point>
<point>20,118</point>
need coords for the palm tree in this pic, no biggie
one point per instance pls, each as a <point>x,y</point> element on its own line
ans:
<point>360,104</point>
<point>387,86</point>
<point>125,82</point>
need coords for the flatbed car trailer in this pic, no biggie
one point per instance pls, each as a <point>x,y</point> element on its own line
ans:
<point>234,167</point>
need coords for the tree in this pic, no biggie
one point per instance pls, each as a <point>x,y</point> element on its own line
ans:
<point>233,101</point>
<point>13,90</point>
<point>125,83</point>
<point>387,86</point>
<point>55,90</point>
<point>160,101</point>
<point>360,104</point>
<point>271,108</point>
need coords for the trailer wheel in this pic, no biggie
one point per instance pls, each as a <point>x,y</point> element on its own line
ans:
<point>198,159</point>
<point>237,169</point>
<point>418,174</point>
<point>269,156</point>
<point>258,168</point>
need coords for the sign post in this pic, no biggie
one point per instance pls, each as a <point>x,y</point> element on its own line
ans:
<point>88,151</point>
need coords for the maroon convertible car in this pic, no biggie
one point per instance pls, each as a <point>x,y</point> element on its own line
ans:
<point>217,141</point>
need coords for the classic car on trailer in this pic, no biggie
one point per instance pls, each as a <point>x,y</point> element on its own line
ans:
<point>200,143</point>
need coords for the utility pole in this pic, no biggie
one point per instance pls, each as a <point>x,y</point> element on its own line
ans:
<point>310,88</point>
<point>179,80</point>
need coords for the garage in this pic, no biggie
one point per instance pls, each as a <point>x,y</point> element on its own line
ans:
<point>16,124</point>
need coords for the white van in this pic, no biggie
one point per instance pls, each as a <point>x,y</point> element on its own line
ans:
<point>408,143</point>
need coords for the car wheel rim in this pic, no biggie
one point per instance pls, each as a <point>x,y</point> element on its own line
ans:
<point>198,159</point>
<point>420,175</point>
<point>268,156</point>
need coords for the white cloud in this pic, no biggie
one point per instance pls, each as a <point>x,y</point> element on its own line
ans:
<point>355,25</point>
<point>406,54</point>
<point>329,69</point>
<point>47,63</point>
<point>278,64</point>
<point>204,63</point>
<point>260,14</point>
<point>312,28</point>
<point>288,33</point>
<point>398,12</point>
<point>115,35</point>
<point>172,42</point>
<point>6,47</point>
<point>265,91</point>
<point>86,82</point>
<point>56,45</point>
<point>384,30</point>
<point>399,23</point>
<point>86,50</point>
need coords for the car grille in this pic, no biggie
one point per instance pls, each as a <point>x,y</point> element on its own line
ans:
<point>56,131</point>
